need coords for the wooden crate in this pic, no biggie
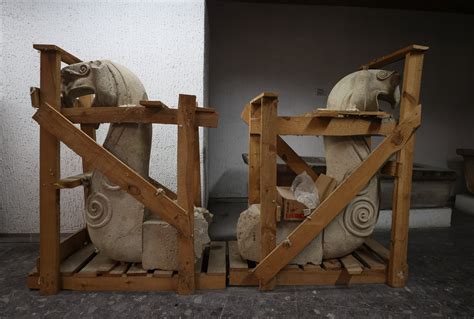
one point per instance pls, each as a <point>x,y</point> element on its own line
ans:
<point>89,270</point>
<point>368,264</point>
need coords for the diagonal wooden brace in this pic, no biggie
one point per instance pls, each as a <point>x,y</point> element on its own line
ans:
<point>114,169</point>
<point>337,200</point>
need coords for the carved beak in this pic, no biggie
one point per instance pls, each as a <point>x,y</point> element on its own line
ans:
<point>72,90</point>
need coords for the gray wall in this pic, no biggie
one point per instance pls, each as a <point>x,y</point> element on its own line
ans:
<point>294,50</point>
<point>162,41</point>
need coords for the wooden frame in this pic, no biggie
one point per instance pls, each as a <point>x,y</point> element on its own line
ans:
<point>264,130</point>
<point>60,263</point>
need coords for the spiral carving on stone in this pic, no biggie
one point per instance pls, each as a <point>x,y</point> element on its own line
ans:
<point>360,217</point>
<point>98,210</point>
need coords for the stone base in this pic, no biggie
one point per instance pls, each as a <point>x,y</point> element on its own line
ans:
<point>465,203</point>
<point>160,242</point>
<point>419,218</point>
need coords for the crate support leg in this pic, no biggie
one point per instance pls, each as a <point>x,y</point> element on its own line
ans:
<point>50,80</point>
<point>254,158</point>
<point>268,180</point>
<point>398,266</point>
<point>186,191</point>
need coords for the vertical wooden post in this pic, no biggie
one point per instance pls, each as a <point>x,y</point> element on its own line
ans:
<point>398,267</point>
<point>268,180</point>
<point>186,192</point>
<point>254,158</point>
<point>50,82</point>
<point>197,169</point>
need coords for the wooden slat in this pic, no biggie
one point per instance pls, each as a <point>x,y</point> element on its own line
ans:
<point>268,95</point>
<point>197,168</point>
<point>254,112</point>
<point>136,269</point>
<point>337,200</point>
<point>114,169</point>
<point>398,267</point>
<point>391,168</point>
<point>235,260</point>
<point>332,264</point>
<point>352,265</point>
<point>163,273</point>
<point>77,260</point>
<point>73,181</point>
<point>312,268</point>
<point>377,248</point>
<point>50,86</point>
<point>338,114</point>
<point>35,97</point>
<point>293,160</point>
<point>172,195</point>
<point>99,264</point>
<point>154,104</point>
<point>186,191</point>
<point>73,243</point>
<point>134,114</point>
<point>217,264</point>
<point>268,181</point>
<point>321,126</point>
<point>394,57</point>
<point>366,257</point>
<point>66,57</point>
<point>119,270</point>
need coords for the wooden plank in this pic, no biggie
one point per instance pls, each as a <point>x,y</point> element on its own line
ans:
<point>268,180</point>
<point>154,104</point>
<point>377,248</point>
<point>172,195</point>
<point>325,185</point>
<point>352,265</point>
<point>136,269</point>
<point>99,264</point>
<point>73,181</point>
<point>50,86</point>
<point>368,259</point>
<point>391,168</point>
<point>163,273</point>
<point>268,95</point>
<point>77,260</point>
<point>322,112</point>
<point>114,169</point>
<point>293,160</point>
<point>135,114</point>
<point>73,243</point>
<point>186,191</point>
<point>217,264</point>
<point>312,268</point>
<point>123,283</point>
<point>197,169</point>
<point>35,97</point>
<point>321,126</point>
<point>398,267</point>
<point>66,57</point>
<point>394,57</point>
<point>254,112</point>
<point>332,264</point>
<point>119,270</point>
<point>337,200</point>
<point>235,260</point>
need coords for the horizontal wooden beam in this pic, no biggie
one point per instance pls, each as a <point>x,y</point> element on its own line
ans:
<point>135,114</point>
<point>311,227</point>
<point>73,181</point>
<point>394,57</point>
<point>114,169</point>
<point>258,99</point>
<point>66,57</point>
<point>327,126</point>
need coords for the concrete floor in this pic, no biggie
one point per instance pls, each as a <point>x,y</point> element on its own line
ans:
<point>441,284</point>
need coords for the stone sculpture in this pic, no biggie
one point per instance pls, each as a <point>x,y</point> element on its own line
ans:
<point>359,91</point>
<point>115,219</point>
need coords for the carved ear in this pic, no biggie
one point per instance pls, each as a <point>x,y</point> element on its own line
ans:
<point>96,64</point>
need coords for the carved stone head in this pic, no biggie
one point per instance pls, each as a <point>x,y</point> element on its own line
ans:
<point>362,90</point>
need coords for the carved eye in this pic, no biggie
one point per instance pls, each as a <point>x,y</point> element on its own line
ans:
<point>83,69</point>
<point>382,75</point>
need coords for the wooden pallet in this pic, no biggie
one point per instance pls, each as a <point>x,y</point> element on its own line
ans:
<point>367,265</point>
<point>89,270</point>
